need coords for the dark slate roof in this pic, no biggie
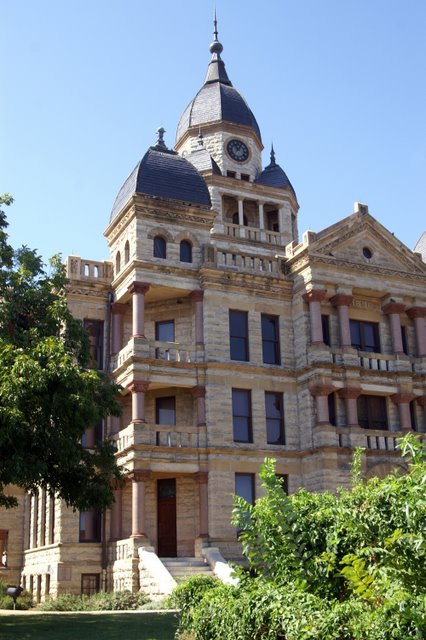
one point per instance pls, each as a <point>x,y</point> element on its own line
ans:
<point>164,174</point>
<point>274,176</point>
<point>217,99</point>
<point>202,161</point>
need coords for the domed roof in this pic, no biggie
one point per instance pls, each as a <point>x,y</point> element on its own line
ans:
<point>163,173</point>
<point>217,100</point>
<point>274,176</point>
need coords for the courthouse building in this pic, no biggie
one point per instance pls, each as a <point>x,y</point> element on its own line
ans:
<point>233,339</point>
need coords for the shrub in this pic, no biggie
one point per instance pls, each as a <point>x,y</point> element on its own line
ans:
<point>102,601</point>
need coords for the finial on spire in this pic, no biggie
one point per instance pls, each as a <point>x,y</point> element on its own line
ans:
<point>272,154</point>
<point>216,46</point>
<point>160,144</point>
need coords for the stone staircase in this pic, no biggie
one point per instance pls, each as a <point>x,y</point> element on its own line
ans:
<point>181,568</point>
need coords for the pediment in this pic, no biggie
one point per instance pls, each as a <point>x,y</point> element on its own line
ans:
<point>362,240</point>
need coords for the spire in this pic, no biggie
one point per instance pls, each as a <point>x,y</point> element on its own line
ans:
<point>160,144</point>
<point>216,71</point>
<point>272,163</point>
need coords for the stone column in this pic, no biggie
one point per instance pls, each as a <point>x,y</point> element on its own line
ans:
<point>138,389</point>
<point>350,395</point>
<point>138,479</point>
<point>403,401</point>
<point>115,425</point>
<point>199,393</point>
<point>342,302</point>
<point>261,217</point>
<point>321,393</point>
<point>393,310</point>
<point>242,231</point>
<point>281,219</point>
<point>138,291</point>
<point>116,515</point>
<point>118,310</point>
<point>418,315</point>
<point>314,298</point>
<point>197,296</point>
<point>202,478</point>
<point>421,401</point>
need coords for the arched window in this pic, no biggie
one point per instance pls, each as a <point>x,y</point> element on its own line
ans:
<point>159,247</point>
<point>117,262</point>
<point>126,252</point>
<point>185,251</point>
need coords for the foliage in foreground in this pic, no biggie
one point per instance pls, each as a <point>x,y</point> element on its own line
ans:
<point>117,601</point>
<point>48,395</point>
<point>23,603</point>
<point>349,566</point>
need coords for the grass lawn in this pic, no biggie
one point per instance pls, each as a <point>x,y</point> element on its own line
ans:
<point>76,626</point>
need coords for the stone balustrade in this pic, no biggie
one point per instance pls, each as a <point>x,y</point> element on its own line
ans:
<point>171,436</point>
<point>95,270</point>
<point>370,438</point>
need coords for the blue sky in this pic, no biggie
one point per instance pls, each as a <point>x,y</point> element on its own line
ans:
<point>337,85</point>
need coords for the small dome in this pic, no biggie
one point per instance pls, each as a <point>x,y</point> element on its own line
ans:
<point>163,174</point>
<point>274,176</point>
<point>217,99</point>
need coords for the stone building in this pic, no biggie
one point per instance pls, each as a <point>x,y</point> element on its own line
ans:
<point>233,340</point>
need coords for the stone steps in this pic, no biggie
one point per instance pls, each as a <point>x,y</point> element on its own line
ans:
<point>181,568</point>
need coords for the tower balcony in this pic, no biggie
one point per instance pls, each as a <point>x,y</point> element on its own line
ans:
<point>161,438</point>
<point>160,354</point>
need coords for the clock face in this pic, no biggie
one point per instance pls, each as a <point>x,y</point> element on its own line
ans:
<point>237,150</point>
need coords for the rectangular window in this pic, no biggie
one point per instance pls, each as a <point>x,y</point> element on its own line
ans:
<point>332,409</point>
<point>365,336</point>
<point>165,410</point>
<point>95,329</point>
<point>231,174</point>
<point>90,526</point>
<point>89,584</point>
<point>244,486</point>
<point>238,335</point>
<point>245,177</point>
<point>372,412</point>
<point>284,481</point>
<point>270,339</point>
<point>325,322</point>
<point>274,418</point>
<point>241,415</point>
<point>4,533</point>
<point>165,331</point>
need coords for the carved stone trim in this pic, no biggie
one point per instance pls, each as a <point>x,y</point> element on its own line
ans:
<point>315,295</point>
<point>393,307</point>
<point>350,393</point>
<point>138,287</point>
<point>402,398</point>
<point>341,300</point>
<point>198,391</point>
<point>197,295</point>
<point>138,386</point>
<point>139,475</point>
<point>321,389</point>
<point>416,312</point>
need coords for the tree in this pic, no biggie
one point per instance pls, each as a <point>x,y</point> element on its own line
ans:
<point>48,396</point>
<point>349,565</point>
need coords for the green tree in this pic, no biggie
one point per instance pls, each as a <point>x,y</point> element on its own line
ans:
<point>48,396</point>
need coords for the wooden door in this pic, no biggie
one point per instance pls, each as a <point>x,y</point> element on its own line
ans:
<point>166,518</point>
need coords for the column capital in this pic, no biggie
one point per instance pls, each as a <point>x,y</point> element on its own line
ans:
<point>421,400</point>
<point>416,312</point>
<point>393,307</point>
<point>341,300</point>
<point>118,308</point>
<point>321,389</point>
<point>138,287</point>
<point>138,386</point>
<point>201,477</point>
<point>314,295</point>
<point>139,475</point>
<point>350,393</point>
<point>198,392</point>
<point>402,398</point>
<point>197,295</point>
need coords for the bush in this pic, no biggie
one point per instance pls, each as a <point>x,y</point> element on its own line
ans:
<point>188,594</point>
<point>102,601</point>
<point>23,602</point>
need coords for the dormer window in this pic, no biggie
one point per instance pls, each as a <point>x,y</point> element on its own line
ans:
<point>231,174</point>
<point>245,177</point>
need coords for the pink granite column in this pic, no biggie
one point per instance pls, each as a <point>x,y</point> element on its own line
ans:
<point>116,515</point>
<point>138,389</point>
<point>118,311</point>
<point>197,296</point>
<point>314,298</point>
<point>393,310</point>
<point>350,396</point>
<point>418,315</point>
<point>321,393</point>
<point>342,302</point>
<point>202,478</point>
<point>138,291</point>
<point>403,401</point>
<point>138,479</point>
<point>199,393</point>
